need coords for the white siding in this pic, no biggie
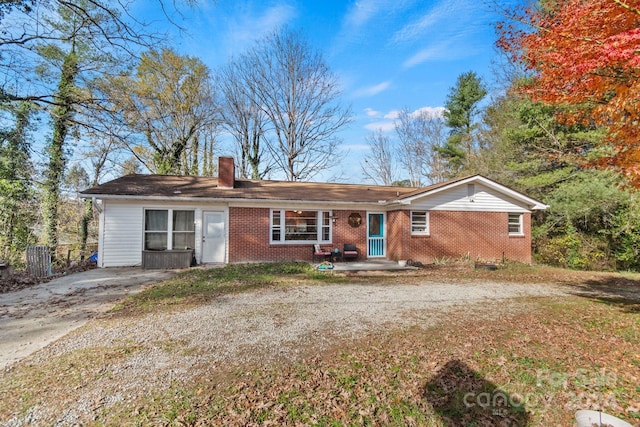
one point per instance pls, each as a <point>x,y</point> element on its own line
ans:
<point>122,229</point>
<point>122,234</point>
<point>457,199</point>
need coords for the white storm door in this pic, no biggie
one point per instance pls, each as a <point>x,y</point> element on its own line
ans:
<point>213,237</point>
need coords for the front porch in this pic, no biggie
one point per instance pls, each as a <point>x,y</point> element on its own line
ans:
<point>370,265</point>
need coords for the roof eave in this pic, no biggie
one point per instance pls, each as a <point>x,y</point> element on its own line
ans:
<point>532,204</point>
<point>218,199</point>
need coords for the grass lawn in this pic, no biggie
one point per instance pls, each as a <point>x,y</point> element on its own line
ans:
<point>526,367</point>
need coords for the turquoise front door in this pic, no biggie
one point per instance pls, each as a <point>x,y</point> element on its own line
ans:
<point>375,235</point>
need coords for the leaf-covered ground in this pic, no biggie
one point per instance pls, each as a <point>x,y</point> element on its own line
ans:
<point>20,279</point>
<point>535,368</point>
<point>478,366</point>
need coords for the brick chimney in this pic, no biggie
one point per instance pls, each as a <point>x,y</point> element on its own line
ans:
<point>226,172</point>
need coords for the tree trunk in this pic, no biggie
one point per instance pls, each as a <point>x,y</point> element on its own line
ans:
<point>61,117</point>
<point>84,226</point>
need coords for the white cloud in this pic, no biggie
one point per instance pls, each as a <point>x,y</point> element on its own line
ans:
<point>454,48</point>
<point>438,51</point>
<point>366,18</point>
<point>412,31</point>
<point>356,147</point>
<point>431,111</point>
<point>277,16</point>
<point>363,11</point>
<point>446,31</point>
<point>385,126</point>
<point>372,90</point>
<point>252,25</point>
<point>388,124</point>
<point>392,115</point>
<point>446,13</point>
<point>370,112</point>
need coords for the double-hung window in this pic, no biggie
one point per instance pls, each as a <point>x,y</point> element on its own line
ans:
<point>515,224</point>
<point>419,222</point>
<point>184,230</point>
<point>166,229</point>
<point>300,226</point>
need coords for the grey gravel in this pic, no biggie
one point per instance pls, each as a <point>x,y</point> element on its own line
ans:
<point>259,325</point>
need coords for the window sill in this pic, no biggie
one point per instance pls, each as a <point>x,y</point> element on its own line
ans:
<point>420,235</point>
<point>300,243</point>
<point>516,235</point>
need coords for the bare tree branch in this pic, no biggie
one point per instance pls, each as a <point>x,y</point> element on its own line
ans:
<point>298,93</point>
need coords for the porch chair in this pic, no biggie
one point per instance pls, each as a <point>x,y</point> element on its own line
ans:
<point>319,253</point>
<point>350,252</point>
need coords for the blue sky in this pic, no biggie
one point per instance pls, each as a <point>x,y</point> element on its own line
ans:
<point>388,54</point>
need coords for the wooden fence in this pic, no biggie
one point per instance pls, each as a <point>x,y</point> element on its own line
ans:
<point>38,261</point>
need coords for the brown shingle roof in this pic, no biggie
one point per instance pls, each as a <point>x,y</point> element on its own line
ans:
<point>206,187</point>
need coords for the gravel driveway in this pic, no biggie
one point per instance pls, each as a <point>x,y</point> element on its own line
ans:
<point>272,323</point>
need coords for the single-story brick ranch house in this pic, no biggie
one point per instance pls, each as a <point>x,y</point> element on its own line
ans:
<point>223,220</point>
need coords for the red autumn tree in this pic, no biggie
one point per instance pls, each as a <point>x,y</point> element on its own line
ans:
<point>585,53</point>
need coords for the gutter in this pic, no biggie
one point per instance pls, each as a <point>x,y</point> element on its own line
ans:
<point>224,199</point>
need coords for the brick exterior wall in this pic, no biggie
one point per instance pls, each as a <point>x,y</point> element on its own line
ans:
<point>482,235</point>
<point>344,233</point>
<point>452,234</point>
<point>249,237</point>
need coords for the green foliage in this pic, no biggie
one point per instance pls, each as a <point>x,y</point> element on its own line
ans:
<point>591,224</point>
<point>61,116</point>
<point>16,192</point>
<point>170,106</point>
<point>461,111</point>
<point>590,201</point>
<point>573,250</point>
<point>626,234</point>
<point>76,179</point>
<point>462,102</point>
<point>528,148</point>
<point>454,153</point>
<point>401,183</point>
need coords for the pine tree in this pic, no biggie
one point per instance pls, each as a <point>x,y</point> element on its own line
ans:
<point>460,115</point>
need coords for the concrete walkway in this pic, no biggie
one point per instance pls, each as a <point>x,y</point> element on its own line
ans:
<point>369,265</point>
<point>33,317</point>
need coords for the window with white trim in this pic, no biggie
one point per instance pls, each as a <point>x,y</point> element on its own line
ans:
<point>300,226</point>
<point>169,229</point>
<point>419,222</point>
<point>515,224</point>
<point>184,230</point>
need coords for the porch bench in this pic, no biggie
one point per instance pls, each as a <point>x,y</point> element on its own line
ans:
<point>167,260</point>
